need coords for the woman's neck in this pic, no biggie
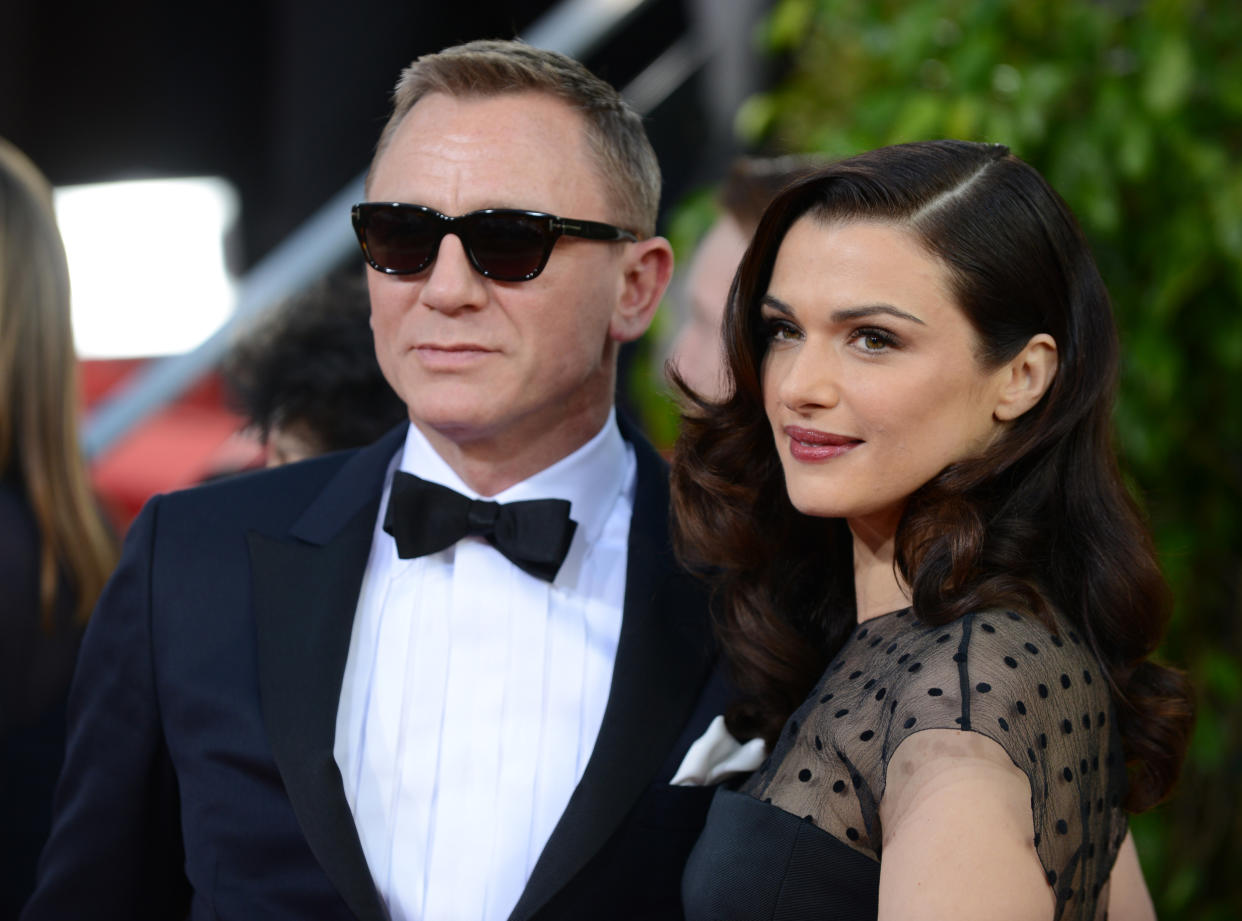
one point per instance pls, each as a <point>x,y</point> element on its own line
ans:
<point>878,588</point>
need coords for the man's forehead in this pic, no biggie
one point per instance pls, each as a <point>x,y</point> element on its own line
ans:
<point>527,136</point>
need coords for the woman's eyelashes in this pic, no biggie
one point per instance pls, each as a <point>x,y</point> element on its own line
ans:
<point>874,339</point>
<point>779,328</point>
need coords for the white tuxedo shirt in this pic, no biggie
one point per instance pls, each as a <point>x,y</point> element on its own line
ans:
<point>473,692</point>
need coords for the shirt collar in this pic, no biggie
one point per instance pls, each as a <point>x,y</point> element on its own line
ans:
<point>590,478</point>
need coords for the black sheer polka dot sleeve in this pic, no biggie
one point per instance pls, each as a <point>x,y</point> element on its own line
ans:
<point>1040,695</point>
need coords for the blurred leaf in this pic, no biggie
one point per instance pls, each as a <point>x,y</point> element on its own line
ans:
<point>1221,675</point>
<point>754,117</point>
<point>1207,745</point>
<point>918,118</point>
<point>1134,148</point>
<point>1185,883</point>
<point>963,117</point>
<point>690,221</point>
<point>1167,78</point>
<point>789,22</point>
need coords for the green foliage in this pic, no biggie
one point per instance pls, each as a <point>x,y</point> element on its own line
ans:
<point>648,391</point>
<point>1133,111</point>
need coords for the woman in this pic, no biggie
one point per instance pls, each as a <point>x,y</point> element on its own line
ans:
<point>937,597</point>
<point>55,549</point>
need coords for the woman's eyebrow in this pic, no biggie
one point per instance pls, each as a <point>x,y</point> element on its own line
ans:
<point>847,315</point>
<point>858,313</point>
<point>776,304</point>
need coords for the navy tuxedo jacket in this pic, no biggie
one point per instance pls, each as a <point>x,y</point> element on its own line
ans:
<point>199,777</point>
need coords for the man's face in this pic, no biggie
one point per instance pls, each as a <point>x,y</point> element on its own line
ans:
<point>698,351</point>
<point>491,363</point>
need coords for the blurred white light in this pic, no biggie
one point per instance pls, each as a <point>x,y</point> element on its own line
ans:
<point>146,263</point>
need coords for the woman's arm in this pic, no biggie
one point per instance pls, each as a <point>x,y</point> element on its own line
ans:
<point>958,834</point>
<point>1128,898</point>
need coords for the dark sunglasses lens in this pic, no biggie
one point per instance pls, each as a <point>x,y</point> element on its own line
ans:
<point>507,247</point>
<point>402,240</point>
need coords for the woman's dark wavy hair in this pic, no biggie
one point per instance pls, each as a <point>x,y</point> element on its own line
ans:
<point>1040,522</point>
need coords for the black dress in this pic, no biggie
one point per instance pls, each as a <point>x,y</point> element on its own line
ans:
<point>36,665</point>
<point>802,838</point>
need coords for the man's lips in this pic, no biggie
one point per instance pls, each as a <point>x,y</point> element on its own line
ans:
<point>450,355</point>
<point>812,445</point>
<point>451,347</point>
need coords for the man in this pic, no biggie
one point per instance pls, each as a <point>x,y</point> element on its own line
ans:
<point>751,183</point>
<point>306,694</point>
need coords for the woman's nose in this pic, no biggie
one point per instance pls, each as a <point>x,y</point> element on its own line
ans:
<point>808,377</point>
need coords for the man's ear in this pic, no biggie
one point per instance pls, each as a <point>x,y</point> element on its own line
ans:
<point>647,270</point>
<point>1026,377</point>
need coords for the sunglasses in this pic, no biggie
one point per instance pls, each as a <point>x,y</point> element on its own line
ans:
<point>501,243</point>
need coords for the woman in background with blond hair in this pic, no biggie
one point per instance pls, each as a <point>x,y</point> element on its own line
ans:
<point>56,551</point>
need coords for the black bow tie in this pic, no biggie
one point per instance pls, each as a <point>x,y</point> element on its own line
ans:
<point>427,517</point>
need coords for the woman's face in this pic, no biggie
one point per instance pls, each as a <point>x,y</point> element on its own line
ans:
<point>870,379</point>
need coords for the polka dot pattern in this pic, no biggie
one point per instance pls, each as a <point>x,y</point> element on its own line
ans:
<point>998,673</point>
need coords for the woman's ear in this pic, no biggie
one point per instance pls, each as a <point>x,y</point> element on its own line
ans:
<point>1026,377</point>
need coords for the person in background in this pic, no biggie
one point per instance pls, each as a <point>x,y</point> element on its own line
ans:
<point>306,375</point>
<point>750,184</point>
<point>56,550</point>
<point>937,594</point>
<point>453,674</point>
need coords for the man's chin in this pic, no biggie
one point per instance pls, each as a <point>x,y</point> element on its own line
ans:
<point>461,427</point>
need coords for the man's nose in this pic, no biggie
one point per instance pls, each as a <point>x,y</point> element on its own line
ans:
<point>452,284</point>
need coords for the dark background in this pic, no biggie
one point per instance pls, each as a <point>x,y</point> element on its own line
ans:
<point>284,98</point>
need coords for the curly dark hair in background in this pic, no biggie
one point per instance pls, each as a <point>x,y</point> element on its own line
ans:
<point>311,366</point>
<point>1040,522</point>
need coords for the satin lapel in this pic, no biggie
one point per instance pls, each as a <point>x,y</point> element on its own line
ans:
<point>305,589</point>
<point>663,659</point>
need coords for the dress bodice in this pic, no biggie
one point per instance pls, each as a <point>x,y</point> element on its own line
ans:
<point>1040,695</point>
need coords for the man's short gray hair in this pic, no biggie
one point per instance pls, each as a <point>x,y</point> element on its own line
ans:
<point>614,132</point>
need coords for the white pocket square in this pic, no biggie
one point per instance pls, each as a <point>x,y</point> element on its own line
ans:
<point>715,755</point>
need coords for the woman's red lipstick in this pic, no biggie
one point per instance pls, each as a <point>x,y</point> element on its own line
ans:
<point>810,445</point>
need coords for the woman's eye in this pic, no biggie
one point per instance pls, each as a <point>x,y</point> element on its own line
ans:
<point>782,330</point>
<point>874,340</point>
